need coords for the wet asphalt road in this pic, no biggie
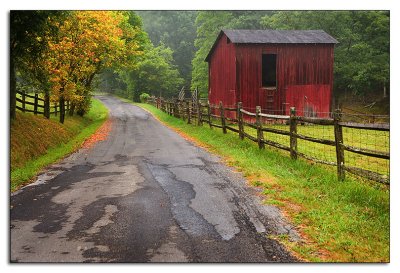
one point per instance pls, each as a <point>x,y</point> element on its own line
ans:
<point>143,195</point>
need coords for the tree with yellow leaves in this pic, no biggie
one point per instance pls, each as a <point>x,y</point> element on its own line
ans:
<point>86,43</point>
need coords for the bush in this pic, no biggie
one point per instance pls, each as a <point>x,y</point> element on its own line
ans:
<point>144,97</point>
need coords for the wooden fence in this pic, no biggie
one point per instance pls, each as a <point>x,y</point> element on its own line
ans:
<point>35,104</point>
<point>216,116</point>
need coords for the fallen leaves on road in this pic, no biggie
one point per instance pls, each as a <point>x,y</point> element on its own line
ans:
<point>100,135</point>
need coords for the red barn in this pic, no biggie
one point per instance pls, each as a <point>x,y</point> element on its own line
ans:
<point>274,69</point>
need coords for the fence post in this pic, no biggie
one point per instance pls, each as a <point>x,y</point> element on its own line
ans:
<point>209,114</point>
<point>184,110</point>
<point>260,135</point>
<point>178,108</point>
<point>23,101</point>
<point>62,109</point>
<point>188,112</point>
<point>223,123</point>
<point>46,109</point>
<point>293,130</point>
<point>181,107</point>
<point>240,120</point>
<point>35,106</point>
<point>337,116</point>
<point>199,114</point>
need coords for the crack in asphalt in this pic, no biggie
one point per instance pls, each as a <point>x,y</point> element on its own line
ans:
<point>180,194</point>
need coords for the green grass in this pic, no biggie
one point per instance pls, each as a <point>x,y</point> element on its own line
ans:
<point>33,149</point>
<point>340,221</point>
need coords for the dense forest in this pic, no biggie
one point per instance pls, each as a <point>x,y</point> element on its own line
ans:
<point>66,55</point>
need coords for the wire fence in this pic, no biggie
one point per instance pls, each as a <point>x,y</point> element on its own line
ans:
<point>368,140</point>
<point>356,144</point>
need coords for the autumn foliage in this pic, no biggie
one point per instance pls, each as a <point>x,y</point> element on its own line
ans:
<point>87,42</point>
<point>100,135</point>
<point>84,43</point>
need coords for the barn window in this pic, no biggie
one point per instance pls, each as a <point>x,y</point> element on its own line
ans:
<point>269,70</point>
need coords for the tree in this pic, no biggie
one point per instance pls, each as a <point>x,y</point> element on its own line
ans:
<point>87,42</point>
<point>176,30</point>
<point>25,28</point>
<point>152,72</point>
<point>157,73</point>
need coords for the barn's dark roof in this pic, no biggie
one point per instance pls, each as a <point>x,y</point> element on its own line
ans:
<point>269,36</point>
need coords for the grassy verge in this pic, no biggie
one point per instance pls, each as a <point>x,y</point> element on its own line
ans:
<point>359,138</point>
<point>339,221</point>
<point>36,142</point>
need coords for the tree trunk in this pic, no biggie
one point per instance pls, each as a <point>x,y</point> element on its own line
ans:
<point>13,88</point>
<point>62,109</point>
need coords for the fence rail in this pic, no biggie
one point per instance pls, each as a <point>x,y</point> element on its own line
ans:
<point>236,119</point>
<point>34,100</point>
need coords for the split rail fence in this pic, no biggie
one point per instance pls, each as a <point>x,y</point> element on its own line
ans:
<point>34,104</point>
<point>255,126</point>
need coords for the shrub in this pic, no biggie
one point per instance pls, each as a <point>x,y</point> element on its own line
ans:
<point>144,97</point>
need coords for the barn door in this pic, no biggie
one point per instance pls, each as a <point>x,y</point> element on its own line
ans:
<point>270,101</point>
<point>269,83</point>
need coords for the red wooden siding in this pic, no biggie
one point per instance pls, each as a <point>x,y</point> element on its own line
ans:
<point>306,70</point>
<point>222,74</point>
<point>304,76</point>
<point>309,100</point>
<point>250,91</point>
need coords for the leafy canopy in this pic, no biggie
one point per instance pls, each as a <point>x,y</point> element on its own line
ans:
<point>86,43</point>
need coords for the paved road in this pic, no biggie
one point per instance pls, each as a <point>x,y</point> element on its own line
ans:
<point>143,195</point>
